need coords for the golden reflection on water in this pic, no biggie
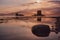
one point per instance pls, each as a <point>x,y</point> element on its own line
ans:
<point>22,29</point>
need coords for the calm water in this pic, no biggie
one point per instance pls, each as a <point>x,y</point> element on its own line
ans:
<point>21,30</point>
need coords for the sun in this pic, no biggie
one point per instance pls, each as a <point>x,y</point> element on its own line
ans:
<point>38,1</point>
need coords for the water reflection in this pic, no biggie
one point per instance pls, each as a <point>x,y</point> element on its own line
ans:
<point>21,30</point>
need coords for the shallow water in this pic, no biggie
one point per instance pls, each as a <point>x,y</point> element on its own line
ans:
<point>21,30</point>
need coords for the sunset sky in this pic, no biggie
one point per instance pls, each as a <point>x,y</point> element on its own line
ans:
<point>7,6</point>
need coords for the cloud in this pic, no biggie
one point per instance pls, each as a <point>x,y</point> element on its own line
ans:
<point>18,2</point>
<point>13,2</point>
<point>15,5</point>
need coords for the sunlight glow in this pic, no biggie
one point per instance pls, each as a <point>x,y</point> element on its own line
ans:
<point>38,1</point>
